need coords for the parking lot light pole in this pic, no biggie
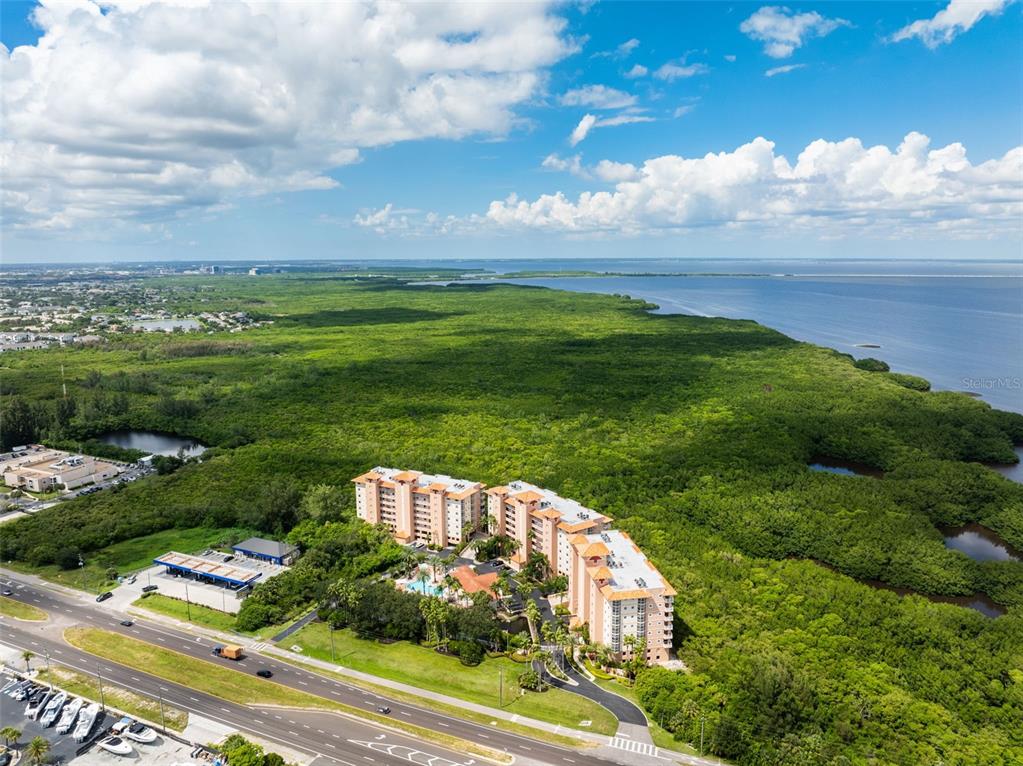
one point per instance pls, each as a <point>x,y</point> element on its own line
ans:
<point>331,631</point>
<point>163,721</point>
<point>188,604</point>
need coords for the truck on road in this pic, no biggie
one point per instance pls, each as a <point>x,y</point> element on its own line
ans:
<point>230,651</point>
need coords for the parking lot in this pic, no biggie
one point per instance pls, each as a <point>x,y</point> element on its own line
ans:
<point>181,587</point>
<point>62,748</point>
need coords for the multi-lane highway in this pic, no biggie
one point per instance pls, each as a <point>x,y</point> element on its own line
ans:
<point>341,738</point>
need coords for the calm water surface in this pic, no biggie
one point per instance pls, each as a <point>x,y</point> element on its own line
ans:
<point>844,467</point>
<point>154,443</point>
<point>960,325</point>
<point>979,543</point>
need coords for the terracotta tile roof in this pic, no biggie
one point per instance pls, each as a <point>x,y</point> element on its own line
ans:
<point>406,476</point>
<point>369,476</point>
<point>529,496</point>
<point>579,526</point>
<point>546,513</point>
<point>595,549</point>
<point>599,573</point>
<point>472,582</point>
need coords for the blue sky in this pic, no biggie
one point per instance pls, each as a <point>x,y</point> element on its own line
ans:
<point>302,179</point>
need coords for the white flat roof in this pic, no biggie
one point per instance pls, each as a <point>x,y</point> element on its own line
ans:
<point>572,511</point>
<point>630,569</point>
<point>426,479</point>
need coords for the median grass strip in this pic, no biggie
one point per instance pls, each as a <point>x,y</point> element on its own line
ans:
<point>19,611</point>
<point>490,683</point>
<point>241,688</point>
<point>451,710</point>
<point>129,702</point>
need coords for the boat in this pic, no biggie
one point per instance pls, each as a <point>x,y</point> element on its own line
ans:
<point>86,719</point>
<point>17,691</point>
<point>67,718</point>
<point>52,710</point>
<point>116,745</point>
<point>132,729</point>
<point>38,703</point>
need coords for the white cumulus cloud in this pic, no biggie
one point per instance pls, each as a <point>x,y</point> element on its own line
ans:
<point>590,121</point>
<point>672,71</point>
<point>598,97</point>
<point>127,110</point>
<point>833,187</point>
<point>783,30</point>
<point>775,71</point>
<point>957,17</point>
<point>638,70</point>
<point>582,129</point>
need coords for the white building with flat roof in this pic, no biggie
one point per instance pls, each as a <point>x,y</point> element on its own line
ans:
<point>432,509</point>
<point>615,590</point>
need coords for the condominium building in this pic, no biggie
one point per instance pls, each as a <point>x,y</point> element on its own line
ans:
<point>540,520</point>
<point>418,507</point>
<point>616,591</point>
<point>39,469</point>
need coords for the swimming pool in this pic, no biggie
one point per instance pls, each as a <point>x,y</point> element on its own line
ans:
<point>427,589</point>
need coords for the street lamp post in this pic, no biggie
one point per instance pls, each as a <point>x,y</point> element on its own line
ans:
<point>701,735</point>
<point>331,631</point>
<point>188,604</point>
<point>81,567</point>
<point>102,699</point>
<point>163,721</point>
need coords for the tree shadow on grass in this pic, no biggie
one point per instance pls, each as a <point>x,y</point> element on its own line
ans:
<point>363,317</point>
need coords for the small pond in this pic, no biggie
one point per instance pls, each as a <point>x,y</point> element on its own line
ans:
<point>979,602</point>
<point>1012,471</point>
<point>844,467</point>
<point>979,543</point>
<point>153,442</point>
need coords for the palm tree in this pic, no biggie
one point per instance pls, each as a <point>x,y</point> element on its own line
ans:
<point>27,656</point>
<point>9,735</point>
<point>37,751</point>
<point>532,618</point>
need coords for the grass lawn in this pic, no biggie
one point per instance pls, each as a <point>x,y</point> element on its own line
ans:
<point>19,611</point>
<point>233,686</point>
<point>426,669</point>
<point>130,556</point>
<point>661,737</point>
<point>204,615</point>
<point>179,610</point>
<point>128,702</point>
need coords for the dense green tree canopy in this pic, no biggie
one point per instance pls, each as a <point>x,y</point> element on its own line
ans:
<point>693,433</point>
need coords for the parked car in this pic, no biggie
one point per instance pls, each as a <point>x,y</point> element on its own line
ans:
<point>104,596</point>
<point>8,592</point>
<point>131,580</point>
<point>149,588</point>
<point>264,673</point>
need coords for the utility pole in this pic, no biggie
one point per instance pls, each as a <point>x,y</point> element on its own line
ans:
<point>500,688</point>
<point>188,603</point>
<point>49,675</point>
<point>163,721</point>
<point>702,720</point>
<point>102,700</point>
<point>331,631</point>
<point>81,566</point>
<point>63,382</point>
